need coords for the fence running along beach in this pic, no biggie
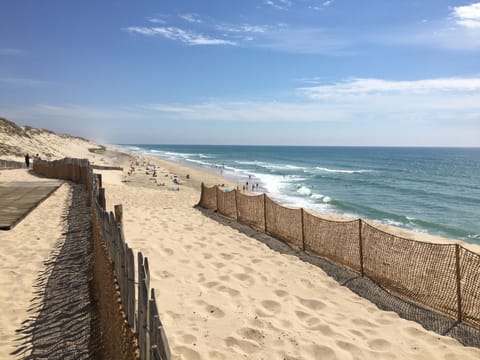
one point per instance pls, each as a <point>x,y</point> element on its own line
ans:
<point>8,164</point>
<point>130,328</point>
<point>441,277</point>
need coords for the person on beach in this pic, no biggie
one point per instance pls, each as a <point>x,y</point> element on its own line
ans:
<point>27,160</point>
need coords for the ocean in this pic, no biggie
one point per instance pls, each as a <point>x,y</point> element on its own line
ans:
<point>429,190</point>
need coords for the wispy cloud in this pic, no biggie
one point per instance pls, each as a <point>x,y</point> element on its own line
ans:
<point>361,87</point>
<point>10,51</point>
<point>243,28</point>
<point>192,18</point>
<point>157,20</point>
<point>279,4</point>
<point>249,111</point>
<point>173,33</point>
<point>468,15</point>
<point>10,81</point>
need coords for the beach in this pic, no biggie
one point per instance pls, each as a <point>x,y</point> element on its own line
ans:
<point>225,295</point>
<point>221,293</point>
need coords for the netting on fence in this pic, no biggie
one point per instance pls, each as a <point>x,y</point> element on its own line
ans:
<point>335,240</point>
<point>284,223</point>
<point>114,274</point>
<point>470,286</point>
<point>422,272</point>
<point>251,210</point>
<point>442,277</point>
<point>226,203</point>
<point>208,199</point>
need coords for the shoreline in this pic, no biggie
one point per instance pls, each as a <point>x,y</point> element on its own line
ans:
<point>221,293</point>
<point>182,168</point>
<point>225,295</point>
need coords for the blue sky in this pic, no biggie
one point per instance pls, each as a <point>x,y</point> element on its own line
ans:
<point>290,72</point>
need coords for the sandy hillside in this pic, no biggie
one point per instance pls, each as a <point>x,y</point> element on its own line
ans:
<point>16,141</point>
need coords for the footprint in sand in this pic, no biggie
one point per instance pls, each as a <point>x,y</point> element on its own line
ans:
<point>280,293</point>
<point>321,352</point>
<point>224,277</point>
<point>214,311</point>
<point>186,353</point>
<point>226,256</point>
<point>215,355</point>
<point>229,291</point>
<point>164,274</point>
<point>271,306</point>
<point>219,265</point>
<point>189,339</point>
<point>362,323</point>
<point>379,345</point>
<point>245,278</point>
<point>211,284</point>
<point>251,334</point>
<point>207,256</point>
<point>311,303</point>
<point>167,251</point>
<point>247,346</point>
<point>307,283</point>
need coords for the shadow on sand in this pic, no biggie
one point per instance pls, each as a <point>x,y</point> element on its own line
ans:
<point>62,322</point>
<point>364,287</point>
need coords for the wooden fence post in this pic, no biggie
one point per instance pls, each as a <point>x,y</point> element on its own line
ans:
<point>265,211</point>
<point>216,195</point>
<point>360,245</point>
<point>458,278</point>
<point>131,287</point>
<point>101,198</point>
<point>303,230</point>
<point>118,213</point>
<point>236,204</point>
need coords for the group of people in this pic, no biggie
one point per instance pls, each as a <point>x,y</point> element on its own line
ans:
<point>27,159</point>
<point>253,186</point>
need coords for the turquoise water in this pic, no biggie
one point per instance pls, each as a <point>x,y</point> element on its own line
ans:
<point>432,190</point>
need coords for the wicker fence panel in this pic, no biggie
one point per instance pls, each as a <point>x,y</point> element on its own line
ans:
<point>424,273</point>
<point>227,204</point>
<point>334,240</point>
<point>284,223</point>
<point>470,286</point>
<point>251,210</point>
<point>209,197</point>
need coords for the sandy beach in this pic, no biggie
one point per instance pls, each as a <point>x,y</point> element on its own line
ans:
<point>225,295</point>
<point>221,294</point>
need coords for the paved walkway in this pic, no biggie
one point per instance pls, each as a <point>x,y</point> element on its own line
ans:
<point>17,199</point>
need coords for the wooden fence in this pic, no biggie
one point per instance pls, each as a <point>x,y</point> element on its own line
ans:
<point>8,164</point>
<point>130,329</point>
<point>441,277</point>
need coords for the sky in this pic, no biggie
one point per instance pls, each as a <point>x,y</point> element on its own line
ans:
<point>259,72</point>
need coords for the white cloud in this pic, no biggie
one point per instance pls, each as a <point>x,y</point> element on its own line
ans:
<point>279,4</point>
<point>192,18</point>
<point>157,21</point>
<point>361,87</point>
<point>468,15</point>
<point>174,33</point>
<point>244,28</point>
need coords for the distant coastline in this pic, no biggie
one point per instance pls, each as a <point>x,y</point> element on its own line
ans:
<point>410,187</point>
